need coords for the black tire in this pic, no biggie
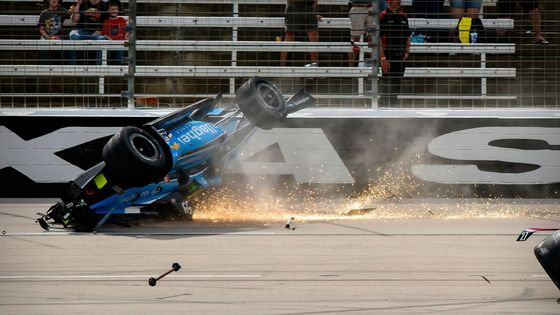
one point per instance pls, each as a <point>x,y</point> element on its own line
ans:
<point>134,158</point>
<point>261,102</point>
<point>548,255</point>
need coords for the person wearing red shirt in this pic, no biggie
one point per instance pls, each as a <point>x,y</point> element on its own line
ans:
<point>114,27</point>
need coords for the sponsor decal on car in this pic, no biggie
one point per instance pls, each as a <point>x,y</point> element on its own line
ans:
<point>196,133</point>
<point>165,135</point>
<point>129,198</point>
<point>156,190</point>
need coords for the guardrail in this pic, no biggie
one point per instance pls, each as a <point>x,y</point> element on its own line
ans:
<point>235,23</point>
<point>191,21</point>
<point>233,2</point>
<point>180,45</point>
<point>481,73</point>
<point>183,71</point>
<point>486,3</point>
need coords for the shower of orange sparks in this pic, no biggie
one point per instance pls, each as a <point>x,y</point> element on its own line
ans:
<point>391,196</point>
<point>224,207</point>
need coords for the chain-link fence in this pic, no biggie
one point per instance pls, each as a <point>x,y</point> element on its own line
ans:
<point>348,54</point>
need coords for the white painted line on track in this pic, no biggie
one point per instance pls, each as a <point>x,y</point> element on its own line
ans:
<point>76,277</point>
<point>43,234</point>
<point>132,233</point>
<point>56,233</point>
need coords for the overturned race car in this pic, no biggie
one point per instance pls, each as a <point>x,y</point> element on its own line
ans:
<point>157,167</point>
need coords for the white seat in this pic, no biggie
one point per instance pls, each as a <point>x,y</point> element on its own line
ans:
<point>419,72</point>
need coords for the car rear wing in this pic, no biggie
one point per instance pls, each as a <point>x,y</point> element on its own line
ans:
<point>300,100</point>
<point>525,234</point>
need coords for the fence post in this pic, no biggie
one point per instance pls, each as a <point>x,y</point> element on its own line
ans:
<point>131,52</point>
<point>374,44</point>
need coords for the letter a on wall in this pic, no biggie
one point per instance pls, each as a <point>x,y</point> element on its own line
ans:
<point>306,153</point>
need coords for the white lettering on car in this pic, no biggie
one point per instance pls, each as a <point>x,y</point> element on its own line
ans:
<point>197,132</point>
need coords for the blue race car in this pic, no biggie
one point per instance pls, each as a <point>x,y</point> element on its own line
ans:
<point>158,167</point>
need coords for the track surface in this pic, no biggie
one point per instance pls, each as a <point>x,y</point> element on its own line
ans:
<point>359,266</point>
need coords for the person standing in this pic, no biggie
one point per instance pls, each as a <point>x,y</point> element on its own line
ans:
<point>469,8</point>
<point>506,9</point>
<point>461,8</point>
<point>395,42</point>
<point>301,18</point>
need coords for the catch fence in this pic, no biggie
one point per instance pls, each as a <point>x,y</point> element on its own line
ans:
<point>178,52</point>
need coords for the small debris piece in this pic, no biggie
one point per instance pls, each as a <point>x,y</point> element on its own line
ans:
<point>288,224</point>
<point>359,211</point>
<point>483,277</point>
<point>153,281</point>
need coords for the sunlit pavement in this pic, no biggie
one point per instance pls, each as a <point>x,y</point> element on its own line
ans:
<point>452,256</point>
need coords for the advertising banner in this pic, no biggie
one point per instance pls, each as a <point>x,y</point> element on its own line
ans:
<point>408,156</point>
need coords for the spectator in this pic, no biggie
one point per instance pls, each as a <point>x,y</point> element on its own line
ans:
<point>470,8</point>
<point>460,8</point>
<point>361,22</point>
<point>395,41</point>
<point>88,17</point>
<point>506,8</point>
<point>301,18</point>
<point>50,26</point>
<point>114,29</point>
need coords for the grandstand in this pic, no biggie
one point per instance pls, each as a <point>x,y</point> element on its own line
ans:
<point>186,50</point>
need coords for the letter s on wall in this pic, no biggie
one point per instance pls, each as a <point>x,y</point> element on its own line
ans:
<point>473,145</point>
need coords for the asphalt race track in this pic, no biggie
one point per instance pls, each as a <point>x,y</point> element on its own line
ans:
<point>357,264</point>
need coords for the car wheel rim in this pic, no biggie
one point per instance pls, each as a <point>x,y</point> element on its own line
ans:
<point>270,96</point>
<point>144,147</point>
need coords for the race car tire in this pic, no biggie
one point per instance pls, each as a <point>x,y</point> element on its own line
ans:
<point>548,255</point>
<point>261,102</point>
<point>134,158</point>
